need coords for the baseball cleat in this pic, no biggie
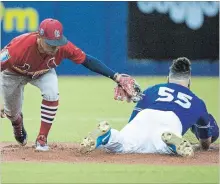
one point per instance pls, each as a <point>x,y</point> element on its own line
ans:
<point>177,144</point>
<point>41,143</point>
<point>99,136</point>
<point>19,131</point>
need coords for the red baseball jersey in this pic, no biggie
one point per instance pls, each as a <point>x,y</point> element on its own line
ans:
<point>21,55</point>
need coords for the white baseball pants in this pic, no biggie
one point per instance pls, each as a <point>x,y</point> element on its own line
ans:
<point>143,133</point>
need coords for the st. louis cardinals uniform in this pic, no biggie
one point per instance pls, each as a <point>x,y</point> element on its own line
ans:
<point>165,107</point>
<point>25,64</point>
<point>26,60</point>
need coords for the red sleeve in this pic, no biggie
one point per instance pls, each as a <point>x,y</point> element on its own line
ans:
<point>74,53</point>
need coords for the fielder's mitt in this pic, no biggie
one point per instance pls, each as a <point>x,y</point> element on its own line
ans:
<point>127,89</point>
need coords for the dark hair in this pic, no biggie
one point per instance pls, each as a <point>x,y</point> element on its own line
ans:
<point>180,67</point>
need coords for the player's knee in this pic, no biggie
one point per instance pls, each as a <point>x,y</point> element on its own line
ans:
<point>51,95</point>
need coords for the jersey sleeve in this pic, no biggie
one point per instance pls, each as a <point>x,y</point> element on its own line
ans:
<point>214,128</point>
<point>74,53</point>
<point>202,126</point>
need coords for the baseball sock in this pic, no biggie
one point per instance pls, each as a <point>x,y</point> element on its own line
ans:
<point>17,121</point>
<point>48,113</point>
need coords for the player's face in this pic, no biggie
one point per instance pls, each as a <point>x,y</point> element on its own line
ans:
<point>48,49</point>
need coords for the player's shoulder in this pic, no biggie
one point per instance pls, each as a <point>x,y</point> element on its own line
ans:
<point>195,96</point>
<point>72,51</point>
<point>200,101</point>
<point>156,86</point>
<point>27,37</point>
<point>152,88</point>
<point>197,100</point>
<point>24,40</point>
<point>68,46</point>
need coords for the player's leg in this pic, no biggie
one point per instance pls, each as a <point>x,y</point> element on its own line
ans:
<point>138,136</point>
<point>172,135</point>
<point>48,84</point>
<point>96,138</point>
<point>133,138</point>
<point>158,132</point>
<point>178,144</point>
<point>12,88</point>
<point>119,142</point>
<point>143,133</point>
<point>102,137</point>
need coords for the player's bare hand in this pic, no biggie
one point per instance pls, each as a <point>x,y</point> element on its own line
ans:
<point>2,113</point>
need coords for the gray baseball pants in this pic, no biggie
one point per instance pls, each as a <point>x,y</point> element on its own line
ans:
<point>12,90</point>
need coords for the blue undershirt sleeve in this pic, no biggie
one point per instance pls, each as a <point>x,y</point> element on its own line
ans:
<point>213,130</point>
<point>97,66</point>
<point>202,128</point>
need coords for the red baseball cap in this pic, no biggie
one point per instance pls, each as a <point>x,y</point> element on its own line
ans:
<point>52,31</point>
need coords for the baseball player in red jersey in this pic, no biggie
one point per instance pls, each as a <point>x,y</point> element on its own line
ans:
<point>32,58</point>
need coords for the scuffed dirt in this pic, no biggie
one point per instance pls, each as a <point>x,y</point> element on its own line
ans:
<point>69,153</point>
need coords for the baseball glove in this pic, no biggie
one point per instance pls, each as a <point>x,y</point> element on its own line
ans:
<point>120,94</point>
<point>127,89</point>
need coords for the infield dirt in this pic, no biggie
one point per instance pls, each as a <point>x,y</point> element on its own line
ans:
<point>69,153</point>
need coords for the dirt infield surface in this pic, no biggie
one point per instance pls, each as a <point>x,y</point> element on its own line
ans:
<point>69,153</point>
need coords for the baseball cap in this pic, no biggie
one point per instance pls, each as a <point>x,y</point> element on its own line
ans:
<point>52,31</point>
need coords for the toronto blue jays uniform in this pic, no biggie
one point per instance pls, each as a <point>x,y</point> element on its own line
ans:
<point>164,107</point>
<point>190,109</point>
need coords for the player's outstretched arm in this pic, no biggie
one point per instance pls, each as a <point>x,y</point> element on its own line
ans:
<point>206,132</point>
<point>126,82</point>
